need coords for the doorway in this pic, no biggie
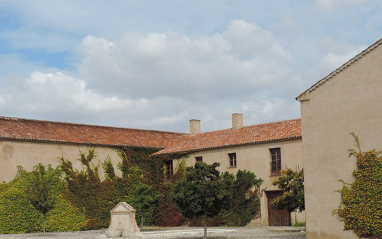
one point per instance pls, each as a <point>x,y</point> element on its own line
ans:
<point>277,217</point>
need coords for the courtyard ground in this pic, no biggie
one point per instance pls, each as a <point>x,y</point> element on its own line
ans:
<point>182,233</point>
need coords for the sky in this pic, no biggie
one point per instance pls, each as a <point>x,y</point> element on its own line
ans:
<point>156,64</point>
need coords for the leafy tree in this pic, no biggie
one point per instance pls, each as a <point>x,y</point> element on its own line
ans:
<point>362,212</point>
<point>201,193</point>
<point>292,183</point>
<point>145,199</point>
<point>245,202</point>
<point>42,187</point>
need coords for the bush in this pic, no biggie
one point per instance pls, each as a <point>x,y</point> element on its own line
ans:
<point>65,217</point>
<point>17,215</point>
<point>363,202</point>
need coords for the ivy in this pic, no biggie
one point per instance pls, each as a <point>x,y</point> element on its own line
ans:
<point>87,192</point>
<point>362,210</point>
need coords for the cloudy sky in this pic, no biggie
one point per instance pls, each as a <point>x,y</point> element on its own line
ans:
<point>155,64</point>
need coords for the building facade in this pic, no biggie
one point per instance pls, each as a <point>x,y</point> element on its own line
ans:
<point>347,100</point>
<point>264,149</point>
<point>28,142</point>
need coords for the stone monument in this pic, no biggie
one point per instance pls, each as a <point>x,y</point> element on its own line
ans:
<point>122,222</point>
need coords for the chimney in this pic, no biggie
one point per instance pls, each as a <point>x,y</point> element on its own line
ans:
<point>237,121</point>
<point>194,127</point>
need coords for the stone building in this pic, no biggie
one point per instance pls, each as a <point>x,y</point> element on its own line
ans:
<point>28,142</point>
<point>347,100</point>
<point>263,149</point>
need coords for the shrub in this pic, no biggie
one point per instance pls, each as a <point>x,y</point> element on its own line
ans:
<point>65,217</point>
<point>17,215</point>
<point>362,212</point>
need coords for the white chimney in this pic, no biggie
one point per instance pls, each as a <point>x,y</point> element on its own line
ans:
<point>194,127</point>
<point>237,121</point>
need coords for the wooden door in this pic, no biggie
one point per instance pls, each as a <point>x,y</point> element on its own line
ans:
<point>277,217</point>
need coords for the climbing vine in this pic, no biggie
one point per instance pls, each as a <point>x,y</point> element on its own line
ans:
<point>362,199</point>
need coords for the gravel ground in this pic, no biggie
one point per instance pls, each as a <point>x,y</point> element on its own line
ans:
<point>182,233</point>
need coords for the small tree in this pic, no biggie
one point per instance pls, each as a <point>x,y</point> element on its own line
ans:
<point>42,187</point>
<point>201,193</point>
<point>145,199</point>
<point>363,202</point>
<point>292,183</point>
<point>245,202</point>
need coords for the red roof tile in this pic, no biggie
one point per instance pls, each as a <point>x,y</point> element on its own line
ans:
<point>254,134</point>
<point>58,132</point>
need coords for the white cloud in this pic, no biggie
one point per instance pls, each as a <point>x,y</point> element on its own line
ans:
<point>50,93</point>
<point>161,80</point>
<point>243,58</point>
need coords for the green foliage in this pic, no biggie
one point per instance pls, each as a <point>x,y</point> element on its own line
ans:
<point>201,192</point>
<point>87,192</point>
<point>245,201</point>
<point>362,212</point>
<point>17,215</point>
<point>65,217</point>
<point>42,187</point>
<point>292,183</point>
<point>145,200</point>
<point>168,212</point>
<point>135,186</point>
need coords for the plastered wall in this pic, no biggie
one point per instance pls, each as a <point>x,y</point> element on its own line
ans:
<point>349,102</point>
<point>28,154</point>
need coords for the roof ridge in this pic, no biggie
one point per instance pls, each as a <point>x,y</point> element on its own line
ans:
<point>247,126</point>
<point>248,135</point>
<point>81,124</point>
<point>343,66</point>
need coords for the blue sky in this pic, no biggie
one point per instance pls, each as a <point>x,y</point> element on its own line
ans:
<point>157,64</point>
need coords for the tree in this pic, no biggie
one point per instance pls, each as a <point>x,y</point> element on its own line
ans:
<point>245,203</point>
<point>201,193</point>
<point>292,183</point>
<point>145,199</point>
<point>362,212</point>
<point>42,187</point>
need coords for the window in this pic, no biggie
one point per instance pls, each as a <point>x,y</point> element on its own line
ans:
<point>232,159</point>
<point>275,161</point>
<point>169,169</point>
<point>199,159</point>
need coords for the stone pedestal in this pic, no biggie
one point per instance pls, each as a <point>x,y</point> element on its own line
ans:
<point>122,222</point>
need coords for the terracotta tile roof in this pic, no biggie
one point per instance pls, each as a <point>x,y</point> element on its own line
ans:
<point>58,132</point>
<point>343,67</point>
<point>254,134</point>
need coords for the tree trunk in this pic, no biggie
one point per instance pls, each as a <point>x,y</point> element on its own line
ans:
<point>205,224</point>
<point>142,222</point>
<point>44,223</point>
